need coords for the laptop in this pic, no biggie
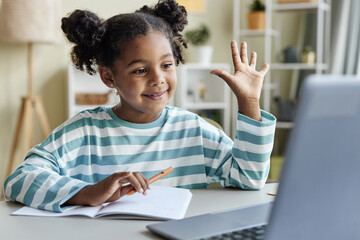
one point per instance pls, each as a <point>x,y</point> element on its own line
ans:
<point>318,195</point>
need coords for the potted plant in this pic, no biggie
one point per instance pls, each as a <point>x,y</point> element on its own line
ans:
<point>308,55</point>
<point>256,16</point>
<point>199,37</point>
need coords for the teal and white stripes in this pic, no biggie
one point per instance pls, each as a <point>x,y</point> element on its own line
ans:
<point>96,143</point>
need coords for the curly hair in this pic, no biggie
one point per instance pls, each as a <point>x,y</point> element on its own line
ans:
<point>100,42</point>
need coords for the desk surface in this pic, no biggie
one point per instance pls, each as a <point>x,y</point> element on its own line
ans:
<point>45,228</point>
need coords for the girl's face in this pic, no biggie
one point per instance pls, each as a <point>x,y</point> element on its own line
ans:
<point>145,77</point>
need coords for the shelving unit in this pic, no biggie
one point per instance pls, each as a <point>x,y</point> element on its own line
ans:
<point>275,77</point>
<point>82,82</point>
<point>322,10</point>
<point>273,10</point>
<point>203,93</point>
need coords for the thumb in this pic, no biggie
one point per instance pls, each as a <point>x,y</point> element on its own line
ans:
<point>265,69</point>
<point>125,189</point>
<point>228,78</point>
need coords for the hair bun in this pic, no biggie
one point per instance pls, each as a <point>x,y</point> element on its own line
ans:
<point>85,29</point>
<point>173,13</point>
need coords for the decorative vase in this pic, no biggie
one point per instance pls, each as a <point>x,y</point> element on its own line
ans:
<point>256,20</point>
<point>291,55</point>
<point>203,54</point>
<point>308,57</point>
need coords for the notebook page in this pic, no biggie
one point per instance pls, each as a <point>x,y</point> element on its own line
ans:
<point>159,203</point>
<point>68,211</point>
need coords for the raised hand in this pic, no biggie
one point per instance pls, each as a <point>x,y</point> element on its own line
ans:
<point>246,83</point>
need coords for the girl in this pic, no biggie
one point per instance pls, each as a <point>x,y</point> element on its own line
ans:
<point>88,159</point>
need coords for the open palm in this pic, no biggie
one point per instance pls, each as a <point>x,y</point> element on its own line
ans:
<point>246,82</point>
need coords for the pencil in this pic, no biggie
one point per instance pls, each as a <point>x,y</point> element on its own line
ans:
<point>154,178</point>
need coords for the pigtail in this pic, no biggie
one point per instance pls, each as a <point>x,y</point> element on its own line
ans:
<point>176,18</point>
<point>85,29</point>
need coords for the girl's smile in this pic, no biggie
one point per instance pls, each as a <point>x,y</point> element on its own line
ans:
<point>156,96</point>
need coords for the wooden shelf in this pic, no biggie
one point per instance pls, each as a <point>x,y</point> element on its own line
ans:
<point>257,33</point>
<point>300,6</point>
<point>201,67</point>
<point>297,66</point>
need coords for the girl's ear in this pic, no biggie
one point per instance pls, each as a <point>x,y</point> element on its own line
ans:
<point>107,76</point>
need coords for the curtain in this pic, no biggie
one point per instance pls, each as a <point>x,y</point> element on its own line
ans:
<point>344,57</point>
<point>345,37</point>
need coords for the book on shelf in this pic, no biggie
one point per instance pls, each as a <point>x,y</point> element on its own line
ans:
<point>160,203</point>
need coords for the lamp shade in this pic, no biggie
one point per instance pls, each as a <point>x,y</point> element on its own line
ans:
<point>28,20</point>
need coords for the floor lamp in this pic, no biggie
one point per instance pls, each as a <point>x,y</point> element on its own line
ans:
<point>28,22</point>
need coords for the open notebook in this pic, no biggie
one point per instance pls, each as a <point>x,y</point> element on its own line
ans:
<point>160,203</point>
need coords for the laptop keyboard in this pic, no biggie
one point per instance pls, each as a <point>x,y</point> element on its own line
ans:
<point>257,233</point>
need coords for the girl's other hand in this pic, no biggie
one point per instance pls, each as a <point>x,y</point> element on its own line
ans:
<point>110,189</point>
<point>246,83</point>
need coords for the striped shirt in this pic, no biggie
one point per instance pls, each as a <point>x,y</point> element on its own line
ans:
<point>96,143</point>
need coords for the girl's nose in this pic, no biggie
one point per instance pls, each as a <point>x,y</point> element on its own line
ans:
<point>157,78</point>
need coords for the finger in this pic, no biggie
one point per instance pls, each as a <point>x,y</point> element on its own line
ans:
<point>228,78</point>
<point>125,190</point>
<point>121,176</point>
<point>243,52</point>
<point>115,196</point>
<point>134,181</point>
<point>121,191</point>
<point>115,182</point>
<point>222,74</point>
<point>142,180</point>
<point>265,69</point>
<point>147,182</point>
<point>235,55</point>
<point>253,60</point>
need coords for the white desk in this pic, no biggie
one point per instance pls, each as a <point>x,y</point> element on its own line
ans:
<point>66,228</point>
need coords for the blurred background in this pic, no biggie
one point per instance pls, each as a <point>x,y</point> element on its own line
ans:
<point>297,38</point>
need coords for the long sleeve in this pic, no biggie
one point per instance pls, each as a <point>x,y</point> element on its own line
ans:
<point>43,181</point>
<point>38,183</point>
<point>64,163</point>
<point>246,162</point>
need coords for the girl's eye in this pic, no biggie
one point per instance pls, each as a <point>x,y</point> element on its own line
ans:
<point>140,71</point>
<point>167,65</point>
